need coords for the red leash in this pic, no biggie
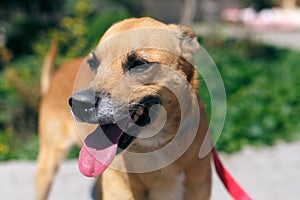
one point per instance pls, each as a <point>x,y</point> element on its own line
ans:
<point>235,190</point>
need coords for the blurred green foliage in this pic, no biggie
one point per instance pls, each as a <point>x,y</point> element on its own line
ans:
<point>263,92</point>
<point>77,27</point>
<point>80,30</point>
<point>19,91</point>
<point>23,21</point>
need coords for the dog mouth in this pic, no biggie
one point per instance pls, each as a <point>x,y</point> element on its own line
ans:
<point>101,146</point>
<point>140,115</point>
<point>140,112</point>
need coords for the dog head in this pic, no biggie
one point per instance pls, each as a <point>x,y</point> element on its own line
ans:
<point>142,70</point>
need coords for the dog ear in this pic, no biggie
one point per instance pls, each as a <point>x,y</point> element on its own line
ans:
<point>188,40</point>
<point>189,45</point>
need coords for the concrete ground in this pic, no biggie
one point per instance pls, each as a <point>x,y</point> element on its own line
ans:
<point>265,173</point>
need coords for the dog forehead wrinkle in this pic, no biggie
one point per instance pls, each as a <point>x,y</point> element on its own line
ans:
<point>138,38</point>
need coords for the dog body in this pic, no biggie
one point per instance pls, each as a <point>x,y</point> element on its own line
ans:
<point>57,132</point>
<point>125,85</point>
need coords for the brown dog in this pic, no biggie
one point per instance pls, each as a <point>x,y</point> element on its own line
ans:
<point>142,96</point>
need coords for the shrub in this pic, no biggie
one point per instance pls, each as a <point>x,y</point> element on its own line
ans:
<point>79,32</point>
<point>263,93</point>
<point>19,90</point>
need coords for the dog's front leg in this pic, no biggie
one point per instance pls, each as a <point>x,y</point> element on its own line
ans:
<point>119,185</point>
<point>172,191</point>
<point>198,180</point>
<point>167,183</point>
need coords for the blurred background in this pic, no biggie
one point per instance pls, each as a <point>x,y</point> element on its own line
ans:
<point>254,43</point>
<point>255,51</point>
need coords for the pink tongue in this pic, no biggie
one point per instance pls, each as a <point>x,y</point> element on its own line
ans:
<point>99,149</point>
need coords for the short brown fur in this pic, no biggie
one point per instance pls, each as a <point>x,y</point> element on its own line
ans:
<point>57,131</point>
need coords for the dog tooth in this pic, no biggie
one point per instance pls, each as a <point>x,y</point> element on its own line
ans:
<point>140,110</point>
<point>135,118</point>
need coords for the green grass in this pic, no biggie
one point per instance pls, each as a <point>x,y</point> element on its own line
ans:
<point>263,92</point>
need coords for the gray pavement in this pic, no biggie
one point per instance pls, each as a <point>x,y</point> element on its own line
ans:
<point>268,173</point>
<point>285,39</point>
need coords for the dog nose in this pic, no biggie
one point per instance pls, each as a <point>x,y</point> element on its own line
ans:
<point>84,104</point>
<point>70,102</point>
<point>84,99</point>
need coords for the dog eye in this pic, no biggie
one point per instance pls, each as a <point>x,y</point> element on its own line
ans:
<point>93,62</point>
<point>139,66</point>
